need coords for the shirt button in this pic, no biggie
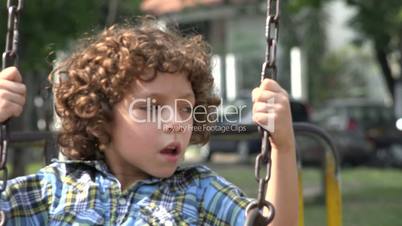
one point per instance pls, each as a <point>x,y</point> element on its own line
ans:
<point>122,201</point>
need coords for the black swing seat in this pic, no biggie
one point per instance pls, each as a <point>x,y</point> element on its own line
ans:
<point>48,137</point>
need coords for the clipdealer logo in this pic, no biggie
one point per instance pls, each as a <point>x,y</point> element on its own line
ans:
<point>147,110</point>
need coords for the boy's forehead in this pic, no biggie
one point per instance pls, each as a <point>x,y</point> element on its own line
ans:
<point>163,85</point>
<point>164,95</point>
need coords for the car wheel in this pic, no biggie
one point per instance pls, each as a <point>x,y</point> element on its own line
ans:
<point>390,156</point>
<point>395,151</point>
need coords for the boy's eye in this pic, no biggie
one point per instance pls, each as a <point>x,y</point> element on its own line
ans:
<point>187,110</point>
<point>151,107</point>
<point>143,108</point>
<point>156,106</point>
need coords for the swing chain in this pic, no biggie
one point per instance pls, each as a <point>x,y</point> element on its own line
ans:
<point>14,8</point>
<point>9,58</point>
<point>254,211</point>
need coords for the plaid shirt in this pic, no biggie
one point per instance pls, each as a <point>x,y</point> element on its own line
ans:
<point>86,193</point>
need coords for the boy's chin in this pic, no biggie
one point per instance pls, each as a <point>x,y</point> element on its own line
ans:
<point>164,173</point>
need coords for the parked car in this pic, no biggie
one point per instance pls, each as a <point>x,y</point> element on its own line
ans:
<point>237,133</point>
<point>363,130</point>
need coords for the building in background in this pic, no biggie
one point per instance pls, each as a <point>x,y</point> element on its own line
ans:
<point>235,30</point>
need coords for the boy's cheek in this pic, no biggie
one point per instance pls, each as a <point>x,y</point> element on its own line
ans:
<point>137,115</point>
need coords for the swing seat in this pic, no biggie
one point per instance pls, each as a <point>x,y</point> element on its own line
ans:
<point>47,137</point>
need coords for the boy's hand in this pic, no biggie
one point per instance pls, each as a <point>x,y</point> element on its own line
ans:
<point>271,110</point>
<point>12,93</point>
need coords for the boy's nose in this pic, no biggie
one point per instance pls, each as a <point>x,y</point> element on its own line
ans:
<point>173,128</point>
<point>172,121</point>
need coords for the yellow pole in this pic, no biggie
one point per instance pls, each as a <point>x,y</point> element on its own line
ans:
<point>333,192</point>
<point>301,202</point>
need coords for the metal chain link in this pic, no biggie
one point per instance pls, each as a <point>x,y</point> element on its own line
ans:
<point>9,58</point>
<point>254,211</point>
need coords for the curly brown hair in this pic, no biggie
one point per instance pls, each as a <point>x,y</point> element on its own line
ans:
<point>97,75</point>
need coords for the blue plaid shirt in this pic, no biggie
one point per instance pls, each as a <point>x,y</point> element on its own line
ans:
<point>86,193</point>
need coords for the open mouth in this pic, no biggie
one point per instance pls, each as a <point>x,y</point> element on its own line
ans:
<point>171,149</point>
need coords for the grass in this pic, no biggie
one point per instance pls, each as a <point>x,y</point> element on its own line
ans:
<point>371,197</point>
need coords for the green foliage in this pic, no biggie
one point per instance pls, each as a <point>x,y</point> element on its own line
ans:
<point>377,21</point>
<point>380,21</point>
<point>297,5</point>
<point>48,25</point>
<point>346,72</point>
<point>303,25</point>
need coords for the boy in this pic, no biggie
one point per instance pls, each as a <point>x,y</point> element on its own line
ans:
<point>128,102</point>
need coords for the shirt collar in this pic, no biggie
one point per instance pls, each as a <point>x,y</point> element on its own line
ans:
<point>101,166</point>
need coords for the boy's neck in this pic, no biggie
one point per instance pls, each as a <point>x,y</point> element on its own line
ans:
<point>127,181</point>
<point>125,175</point>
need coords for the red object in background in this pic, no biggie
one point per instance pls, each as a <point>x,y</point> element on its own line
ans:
<point>352,124</point>
<point>160,7</point>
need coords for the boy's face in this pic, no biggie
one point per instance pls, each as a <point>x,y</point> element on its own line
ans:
<point>152,126</point>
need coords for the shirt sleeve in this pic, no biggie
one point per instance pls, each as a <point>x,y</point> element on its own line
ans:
<point>26,200</point>
<point>224,203</point>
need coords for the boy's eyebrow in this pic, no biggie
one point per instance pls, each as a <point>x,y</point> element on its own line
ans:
<point>187,95</point>
<point>162,95</point>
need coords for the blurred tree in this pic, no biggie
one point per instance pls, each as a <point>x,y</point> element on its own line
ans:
<point>46,27</point>
<point>379,22</point>
<point>303,25</point>
<point>346,73</point>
